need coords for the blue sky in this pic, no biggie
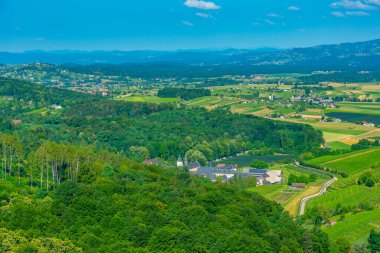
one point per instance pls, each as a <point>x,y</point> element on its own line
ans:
<point>183,24</point>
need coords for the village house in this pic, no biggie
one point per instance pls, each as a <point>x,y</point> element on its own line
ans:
<point>225,172</point>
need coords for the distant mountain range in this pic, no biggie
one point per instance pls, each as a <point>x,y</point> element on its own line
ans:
<point>359,55</point>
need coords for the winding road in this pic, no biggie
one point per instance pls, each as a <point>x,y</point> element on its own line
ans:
<point>322,191</point>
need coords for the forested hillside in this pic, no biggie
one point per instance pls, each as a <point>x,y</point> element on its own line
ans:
<point>185,94</point>
<point>142,130</point>
<point>69,185</point>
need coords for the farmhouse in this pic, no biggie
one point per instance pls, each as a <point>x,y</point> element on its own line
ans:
<point>264,177</point>
<point>225,172</point>
<point>299,185</point>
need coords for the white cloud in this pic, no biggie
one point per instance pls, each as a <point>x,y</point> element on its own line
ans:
<point>203,15</point>
<point>203,5</point>
<point>349,13</point>
<point>338,14</point>
<point>377,2</point>
<point>274,15</point>
<point>357,13</point>
<point>294,8</point>
<point>348,4</point>
<point>187,23</point>
<point>269,22</point>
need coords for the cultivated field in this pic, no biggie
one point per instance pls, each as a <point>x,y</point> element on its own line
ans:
<point>351,196</point>
<point>355,227</point>
<point>352,162</point>
<point>150,99</point>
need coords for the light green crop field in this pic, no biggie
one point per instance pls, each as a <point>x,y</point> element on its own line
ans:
<point>356,227</point>
<point>364,108</point>
<point>350,196</point>
<point>150,99</point>
<point>357,163</point>
<point>330,158</point>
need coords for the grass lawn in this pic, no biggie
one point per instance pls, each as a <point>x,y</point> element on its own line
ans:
<point>336,145</point>
<point>150,99</point>
<point>356,227</point>
<point>269,191</point>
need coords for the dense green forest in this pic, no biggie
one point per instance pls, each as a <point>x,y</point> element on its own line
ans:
<point>128,207</point>
<point>185,94</point>
<point>69,184</point>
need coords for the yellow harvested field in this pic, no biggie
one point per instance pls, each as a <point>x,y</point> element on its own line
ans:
<point>356,139</point>
<point>292,206</point>
<point>263,112</point>
<point>311,116</point>
<point>371,87</point>
<point>351,141</point>
<point>239,110</point>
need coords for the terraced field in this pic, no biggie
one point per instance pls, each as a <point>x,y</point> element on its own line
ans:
<point>350,196</point>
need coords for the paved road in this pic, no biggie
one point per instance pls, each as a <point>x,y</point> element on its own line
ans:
<point>323,190</point>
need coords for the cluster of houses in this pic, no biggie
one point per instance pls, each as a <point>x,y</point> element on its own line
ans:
<point>225,172</point>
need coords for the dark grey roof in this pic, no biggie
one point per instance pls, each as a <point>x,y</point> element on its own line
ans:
<point>227,167</point>
<point>210,172</point>
<point>245,175</point>
<point>193,165</point>
<point>257,171</point>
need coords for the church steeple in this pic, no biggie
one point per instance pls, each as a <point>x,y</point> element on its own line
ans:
<point>179,161</point>
<point>185,160</point>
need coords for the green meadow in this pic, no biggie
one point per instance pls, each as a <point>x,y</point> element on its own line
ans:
<point>336,145</point>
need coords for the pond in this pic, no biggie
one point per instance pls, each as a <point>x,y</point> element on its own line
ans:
<point>355,117</point>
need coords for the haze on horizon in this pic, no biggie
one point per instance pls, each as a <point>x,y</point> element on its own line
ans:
<point>183,24</point>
